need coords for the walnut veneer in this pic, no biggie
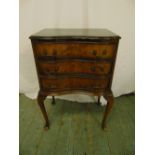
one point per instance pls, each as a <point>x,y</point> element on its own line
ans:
<point>75,60</point>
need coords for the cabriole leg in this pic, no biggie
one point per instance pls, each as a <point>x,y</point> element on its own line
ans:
<point>41,99</point>
<point>110,102</point>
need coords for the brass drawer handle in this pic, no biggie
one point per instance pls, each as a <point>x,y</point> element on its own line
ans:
<point>94,52</point>
<point>93,68</point>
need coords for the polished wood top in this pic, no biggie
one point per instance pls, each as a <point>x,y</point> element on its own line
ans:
<point>47,34</point>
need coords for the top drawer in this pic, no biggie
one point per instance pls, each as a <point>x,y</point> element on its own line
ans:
<point>74,50</point>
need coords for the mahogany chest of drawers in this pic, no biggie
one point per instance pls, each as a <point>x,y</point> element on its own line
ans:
<point>75,60</point>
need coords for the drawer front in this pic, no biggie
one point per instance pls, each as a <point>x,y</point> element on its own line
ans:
<point>76,67</point>
<point>73,83</point>
<point>72,50</point>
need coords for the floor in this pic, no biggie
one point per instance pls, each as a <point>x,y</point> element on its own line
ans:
<point>76,128</point>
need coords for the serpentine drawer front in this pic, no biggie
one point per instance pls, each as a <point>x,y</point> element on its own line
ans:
<point>74,67</point>
<point>69,83</point>
<point>75,60</point>
<point>75,50</point>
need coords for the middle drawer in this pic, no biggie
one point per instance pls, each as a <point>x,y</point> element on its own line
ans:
<point>77,67</point>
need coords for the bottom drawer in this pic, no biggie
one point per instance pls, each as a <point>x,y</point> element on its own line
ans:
<point>73,83</point>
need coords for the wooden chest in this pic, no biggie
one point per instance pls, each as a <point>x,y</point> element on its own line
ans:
<point>75,60</point>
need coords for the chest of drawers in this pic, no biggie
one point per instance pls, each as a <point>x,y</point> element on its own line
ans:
<point>75,60</point>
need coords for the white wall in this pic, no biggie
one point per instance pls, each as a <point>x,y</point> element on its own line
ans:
<point>116,15</point>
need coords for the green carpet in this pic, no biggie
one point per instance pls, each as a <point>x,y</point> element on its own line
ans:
<point>76,128</point>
